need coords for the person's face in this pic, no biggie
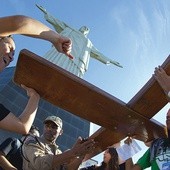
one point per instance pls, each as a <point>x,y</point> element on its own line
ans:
<point>51,131</point>
<point>106,156</point>
<point>168,120</point>
<point>7,50</point>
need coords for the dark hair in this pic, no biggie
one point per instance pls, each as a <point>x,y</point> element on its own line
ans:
<point>113,162</point>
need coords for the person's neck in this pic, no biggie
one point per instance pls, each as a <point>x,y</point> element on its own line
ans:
<point>107,167</point>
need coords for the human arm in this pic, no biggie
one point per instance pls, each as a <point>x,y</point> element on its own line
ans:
<point>99,56</point>
<point>39,158</point>
<point>74,157</point>
<point>7,147</point>
<point>27,26</point>
<point>163,79</point>
<point>128,163</point>
<point>142,163</point>
<point>22,124</point>
<point>5,164</point>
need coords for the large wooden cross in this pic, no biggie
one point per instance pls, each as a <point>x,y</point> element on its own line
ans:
<point>73,94</point>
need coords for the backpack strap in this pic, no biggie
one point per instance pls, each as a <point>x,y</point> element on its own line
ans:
<point>36,139</point>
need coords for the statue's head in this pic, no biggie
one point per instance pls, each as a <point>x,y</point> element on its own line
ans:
<point>84,30</point>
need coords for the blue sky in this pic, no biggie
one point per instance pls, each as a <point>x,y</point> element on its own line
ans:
<point>134,32</point>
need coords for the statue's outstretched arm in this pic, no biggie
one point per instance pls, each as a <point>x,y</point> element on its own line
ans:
<point>99,56</point>
<point>57,24</point>
<point>42,9</point>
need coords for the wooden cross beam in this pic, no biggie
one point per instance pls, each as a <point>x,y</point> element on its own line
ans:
<point>151,98</point>
<point>148,101</point>
<point>85,100</point>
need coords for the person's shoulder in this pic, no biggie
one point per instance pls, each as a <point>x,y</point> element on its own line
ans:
<point>158,141</point>
<point>31,140</point>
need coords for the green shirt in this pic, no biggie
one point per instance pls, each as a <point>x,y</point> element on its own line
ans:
<point>144,161</point>
<point>161,160</point>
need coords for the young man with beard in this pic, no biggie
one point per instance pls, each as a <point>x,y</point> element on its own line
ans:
<point>43,153</point>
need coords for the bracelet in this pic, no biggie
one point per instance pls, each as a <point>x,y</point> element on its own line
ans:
<point>169,94</point>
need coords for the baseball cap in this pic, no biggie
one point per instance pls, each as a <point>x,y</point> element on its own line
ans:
<point>55,120</point>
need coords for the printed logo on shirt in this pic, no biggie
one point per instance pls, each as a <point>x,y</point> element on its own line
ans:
<point>163,159</point>
<point>166,166</point>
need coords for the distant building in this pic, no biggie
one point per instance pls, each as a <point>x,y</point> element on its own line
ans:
<point>15,99</point>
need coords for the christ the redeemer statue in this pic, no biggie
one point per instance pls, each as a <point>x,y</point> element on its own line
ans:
<point>82,48</point>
